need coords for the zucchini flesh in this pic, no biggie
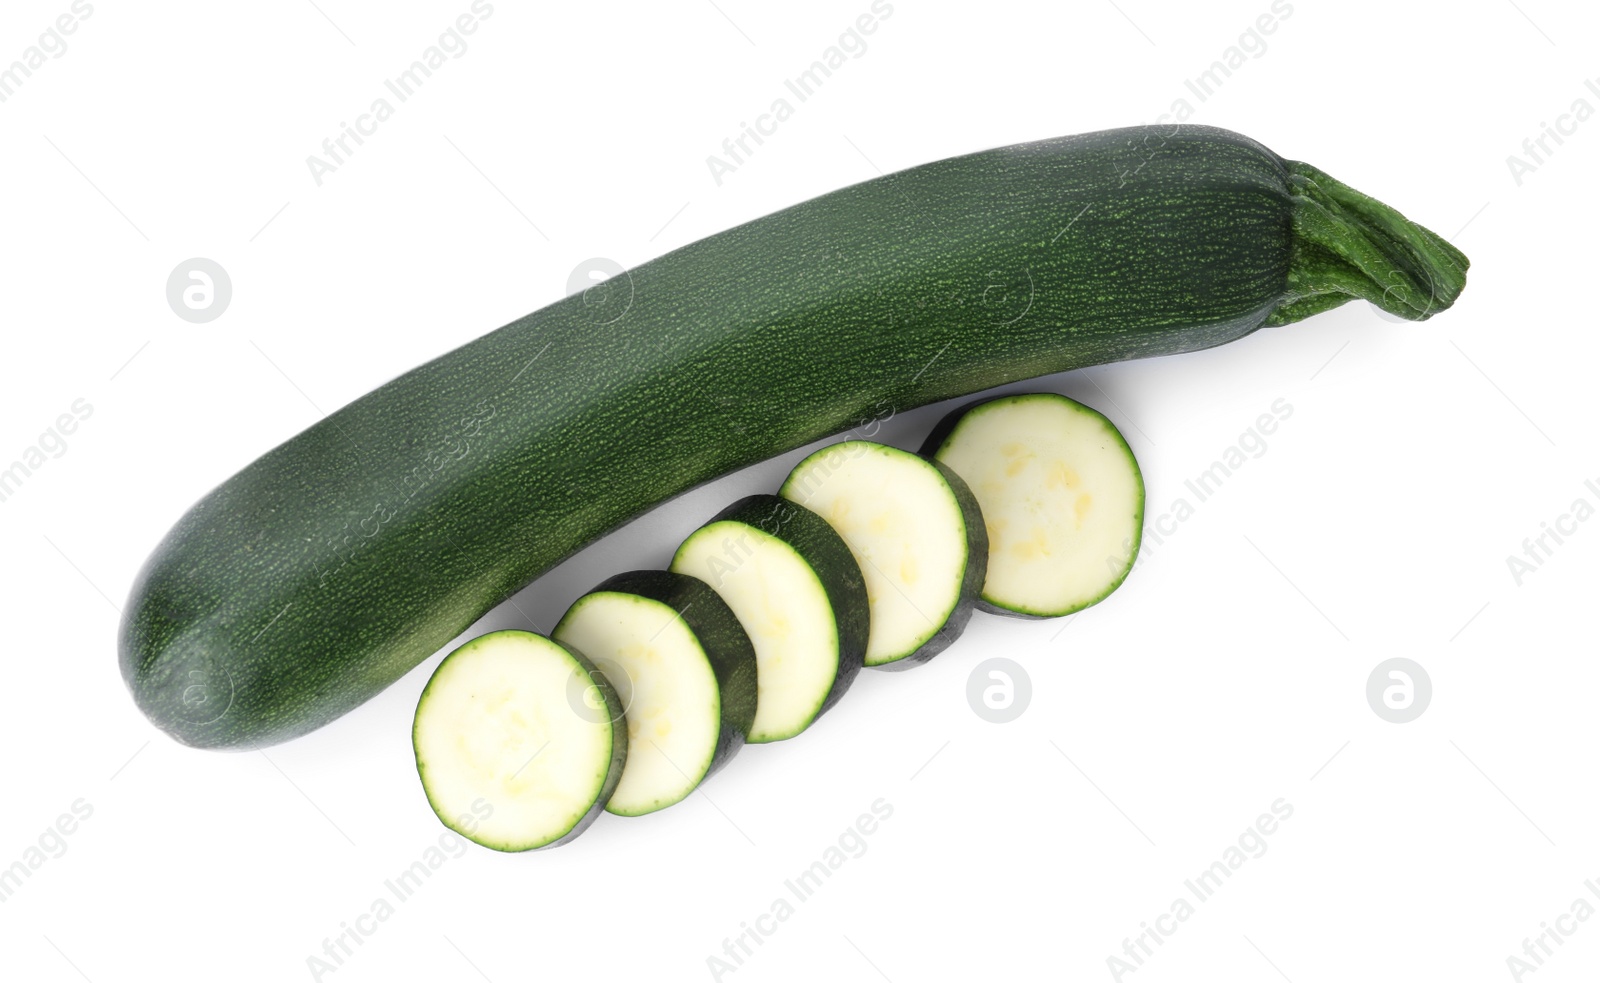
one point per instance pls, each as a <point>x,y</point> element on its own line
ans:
<point>341,559</point>
<point>799,594</point>
<point>522,733</point>
<point>917,533</point>
<point>684,671</point>
<point>1061,494</point>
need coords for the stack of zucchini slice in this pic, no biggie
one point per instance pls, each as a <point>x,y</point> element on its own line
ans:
<point>1029,505</point>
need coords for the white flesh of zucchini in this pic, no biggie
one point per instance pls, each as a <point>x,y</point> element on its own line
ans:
<point>781,603</point>
<point>1062,499</point>
<point>497,724</point>
<point>904,525</point>
<point>667,687</point>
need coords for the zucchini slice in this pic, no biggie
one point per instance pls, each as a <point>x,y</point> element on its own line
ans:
<point>917,532</point>
<point>686,674</point>
<point>797,590</point>
<point>526,726</point>
<point>1062,499</point>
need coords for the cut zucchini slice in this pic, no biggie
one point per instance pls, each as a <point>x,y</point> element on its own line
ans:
<point>686,674</point>
<point>797,590</point>
<point>1061,494</point>
<point>917,533</point>
<point>519,741</point>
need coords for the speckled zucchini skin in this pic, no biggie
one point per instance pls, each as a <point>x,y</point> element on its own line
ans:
<point>339,560</point>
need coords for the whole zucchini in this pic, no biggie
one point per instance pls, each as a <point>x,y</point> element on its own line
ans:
<point>325,570</point>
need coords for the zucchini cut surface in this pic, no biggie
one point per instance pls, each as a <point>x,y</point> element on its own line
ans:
<point>799,594</point>
<point>917,534</point>
<point>525,726</point>
<point>1061,494</point>
<point>684,671</point>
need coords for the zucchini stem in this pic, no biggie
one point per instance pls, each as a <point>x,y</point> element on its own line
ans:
<point>1348,245</point>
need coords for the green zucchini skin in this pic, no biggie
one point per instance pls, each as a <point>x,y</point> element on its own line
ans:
<point>727,647</point>
<point>810,536</point>
<point>344,557</point>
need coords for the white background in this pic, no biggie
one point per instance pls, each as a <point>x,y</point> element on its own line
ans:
<point>1228,672</point>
